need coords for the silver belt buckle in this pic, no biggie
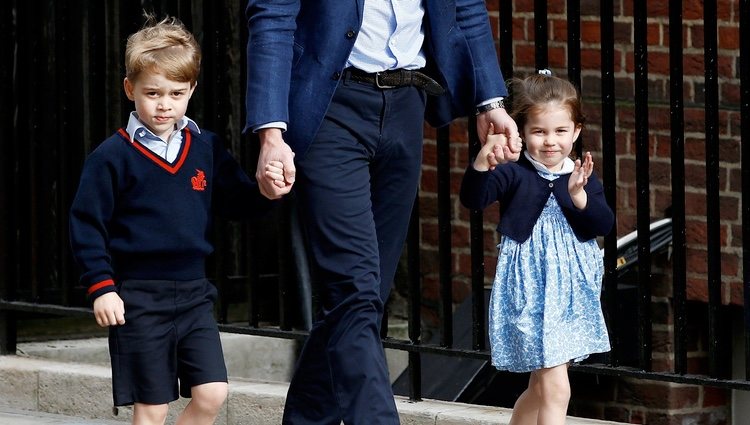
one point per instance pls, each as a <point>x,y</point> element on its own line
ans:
<point>381,86</point>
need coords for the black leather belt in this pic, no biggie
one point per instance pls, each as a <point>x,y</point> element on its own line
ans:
<point>396,78</point>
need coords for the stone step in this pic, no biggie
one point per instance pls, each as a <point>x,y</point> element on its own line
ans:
<point>11,416</point>
<point>83,391</point>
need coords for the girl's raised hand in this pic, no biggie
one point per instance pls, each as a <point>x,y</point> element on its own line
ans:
<point>578,179</point>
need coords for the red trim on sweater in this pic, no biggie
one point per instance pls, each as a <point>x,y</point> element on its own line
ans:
<point>172,169</point>
<point>97,286</point>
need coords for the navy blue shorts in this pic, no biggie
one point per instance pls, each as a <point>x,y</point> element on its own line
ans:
<point>169,340</point>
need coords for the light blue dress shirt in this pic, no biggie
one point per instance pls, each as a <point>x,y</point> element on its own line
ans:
<point>167,149</point>
<point>391,36</point>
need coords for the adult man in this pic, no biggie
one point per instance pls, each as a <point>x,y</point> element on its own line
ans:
<point>315,71</point>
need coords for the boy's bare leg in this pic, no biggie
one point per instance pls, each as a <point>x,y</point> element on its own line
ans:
<point>149,414</point>
<point>205,404</point>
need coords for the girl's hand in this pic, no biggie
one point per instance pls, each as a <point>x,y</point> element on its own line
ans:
<point>494,152</point>
<point>578,179</point>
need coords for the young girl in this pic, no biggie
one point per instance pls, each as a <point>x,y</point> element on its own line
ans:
<point>544,307</point>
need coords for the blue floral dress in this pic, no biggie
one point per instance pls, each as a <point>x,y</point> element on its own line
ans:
<point>545,304</point>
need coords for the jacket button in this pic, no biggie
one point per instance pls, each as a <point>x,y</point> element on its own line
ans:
<point>551,185</point>
<point>350,33</point>
<point>335,76</point>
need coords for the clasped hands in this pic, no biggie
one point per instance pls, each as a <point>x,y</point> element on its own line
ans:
<point>500,140</point>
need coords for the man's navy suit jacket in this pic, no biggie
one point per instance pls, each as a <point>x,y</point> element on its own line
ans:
<point>297,50</point>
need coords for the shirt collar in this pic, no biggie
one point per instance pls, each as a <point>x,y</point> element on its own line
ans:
<point>567,166</point>
<point>136,129</point>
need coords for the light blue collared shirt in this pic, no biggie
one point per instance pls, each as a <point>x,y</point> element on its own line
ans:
<point>391,36</point>
<point>167,149</point>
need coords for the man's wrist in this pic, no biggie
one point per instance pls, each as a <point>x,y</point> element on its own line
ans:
<point>495,104</point>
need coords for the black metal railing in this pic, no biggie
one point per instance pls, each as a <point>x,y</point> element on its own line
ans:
<point>60,84</point>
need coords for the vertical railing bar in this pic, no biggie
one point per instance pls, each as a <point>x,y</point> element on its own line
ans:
<point>202,109</point>
<point>415,302</point>
<point>677,135</point>
<point>29,49</point>
<point>541,34</point>
<point>8,159</point>
<point>444,235</point>
<point>744,24</point>
<point>505,33</point>
<point>609,169</point>
<point>8,322</point>
<point>71,108</point>
<point>251,251</point>
<point>574,42</point>
<point>574,54</point>
<point>249,152</point>
<point>286,263</point>
<point>713,226</point>
<point>642,183</point>
<point>476,219</point>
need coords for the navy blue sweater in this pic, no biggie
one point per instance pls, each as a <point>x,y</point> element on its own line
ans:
<point>522,194</point>
<point>137,216</point>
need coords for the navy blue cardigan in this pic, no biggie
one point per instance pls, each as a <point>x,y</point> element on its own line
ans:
<point>522,194</point>
<point>137,216</point>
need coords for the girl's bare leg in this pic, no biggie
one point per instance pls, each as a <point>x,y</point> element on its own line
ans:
<point>553,390</point>
<point>526,408</point>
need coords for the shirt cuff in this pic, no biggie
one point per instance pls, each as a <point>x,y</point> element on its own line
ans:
<point>274,124</point>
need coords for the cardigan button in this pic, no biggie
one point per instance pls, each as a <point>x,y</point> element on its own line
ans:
<point>551,185</point>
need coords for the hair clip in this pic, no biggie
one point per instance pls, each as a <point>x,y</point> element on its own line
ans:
<point>545,71</point>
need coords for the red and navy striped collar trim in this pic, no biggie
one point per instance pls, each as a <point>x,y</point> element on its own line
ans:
<point>161,162</point>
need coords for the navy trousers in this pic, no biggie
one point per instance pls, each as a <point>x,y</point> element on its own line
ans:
<point>356,187</point>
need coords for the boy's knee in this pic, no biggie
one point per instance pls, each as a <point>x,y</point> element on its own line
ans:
<point>210,397</point>
<point>150,413</point>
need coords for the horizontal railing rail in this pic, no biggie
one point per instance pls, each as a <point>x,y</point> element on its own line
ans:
<point>62,95</point>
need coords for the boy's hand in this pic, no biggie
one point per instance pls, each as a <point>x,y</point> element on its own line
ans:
<point>578,179</point>
<point>109,310</point>
<point>273,148</point>
<point>275,173</point>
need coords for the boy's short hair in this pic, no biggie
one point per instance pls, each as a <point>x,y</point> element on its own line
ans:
<point>165,46</point>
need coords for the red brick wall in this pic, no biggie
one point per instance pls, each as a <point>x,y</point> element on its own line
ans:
<point>682,400</point>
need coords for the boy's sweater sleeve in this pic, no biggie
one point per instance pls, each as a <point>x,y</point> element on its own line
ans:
<point>89,216</point>
<point>236,196</point>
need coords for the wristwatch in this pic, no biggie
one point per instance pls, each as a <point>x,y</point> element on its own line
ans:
<point>490,106</point>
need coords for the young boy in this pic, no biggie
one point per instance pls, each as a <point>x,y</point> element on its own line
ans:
<point>139,225</point>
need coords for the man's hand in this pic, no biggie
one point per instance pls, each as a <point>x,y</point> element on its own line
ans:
<point>494,151</point>
<point>109,310</point>
<point>273,148</point>
<point>503,124</point>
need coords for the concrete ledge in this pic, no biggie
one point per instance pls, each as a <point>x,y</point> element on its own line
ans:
<point>83,391</point>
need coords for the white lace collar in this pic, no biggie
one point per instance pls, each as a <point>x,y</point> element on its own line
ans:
<point>567,166</point>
